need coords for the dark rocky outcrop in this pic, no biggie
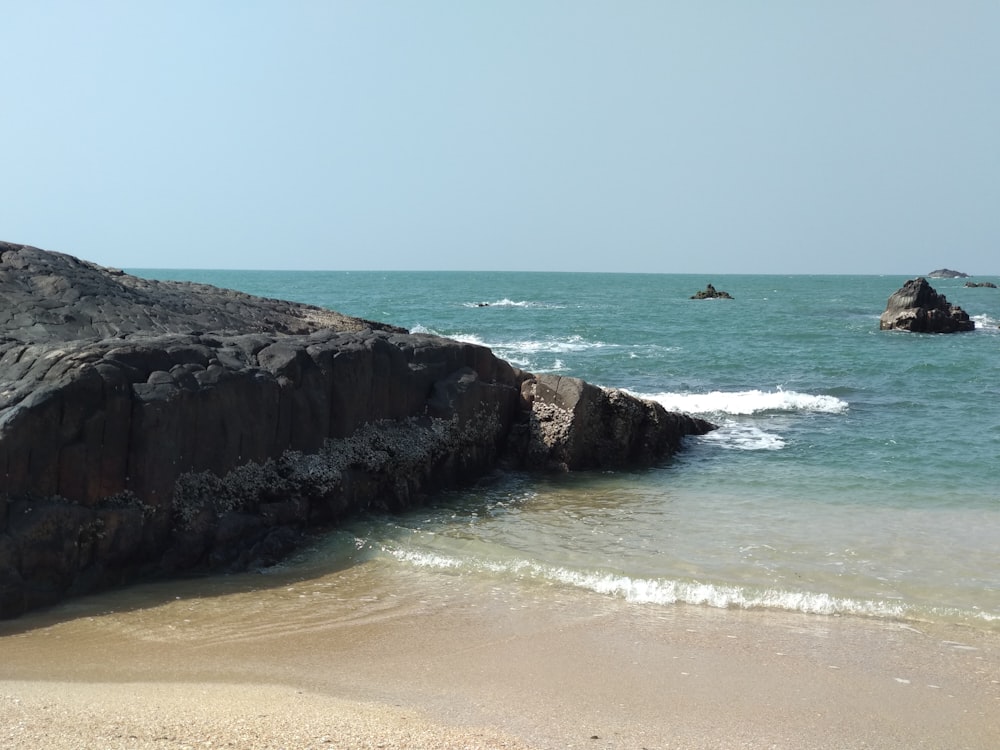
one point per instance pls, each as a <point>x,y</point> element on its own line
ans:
<point>947,273</point>
<point>917,307</point>
<point>980,284</point>
<point>710,292</point>
<point>574,424</point>
<point>148,428</point>
<point>50,297</point>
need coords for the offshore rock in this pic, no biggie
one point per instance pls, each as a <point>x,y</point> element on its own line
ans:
<point>917,307</point>
<point>149,428</point>
<point>947,273</point>
<point>710,292</point>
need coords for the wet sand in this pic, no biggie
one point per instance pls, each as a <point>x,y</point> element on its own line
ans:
<point>361,660</point>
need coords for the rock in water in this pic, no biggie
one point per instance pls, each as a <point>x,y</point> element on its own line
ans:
<point>917,307</point>
<point>573,423</point>
<point>148,427</point>
<point>710,292</point>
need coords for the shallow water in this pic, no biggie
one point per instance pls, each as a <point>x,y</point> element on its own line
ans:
<point>853,471</point>
<point>236,660</point>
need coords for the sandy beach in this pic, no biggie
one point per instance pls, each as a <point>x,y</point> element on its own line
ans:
<point>348,661</point>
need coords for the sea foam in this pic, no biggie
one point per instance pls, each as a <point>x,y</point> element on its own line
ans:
<point>661,592</point>
<point>733,435</point>
<point>506,302</point>
<point>746,403</point>
<point>986,324</point>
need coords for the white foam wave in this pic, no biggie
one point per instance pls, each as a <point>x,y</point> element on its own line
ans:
<point>555,346</point>
<point>544,355</point>
<point>506,302</point>
<point>661,591</point>
<point>655,591</point>
<point>986,323</point>
<point>425,559</point>
<point>467,338</point>
<point>665,592</point>
<point>744,403</point>
<point>517,351</point>
<point>743,437</point>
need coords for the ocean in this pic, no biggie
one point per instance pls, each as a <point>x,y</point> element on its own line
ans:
<point>854,471</point>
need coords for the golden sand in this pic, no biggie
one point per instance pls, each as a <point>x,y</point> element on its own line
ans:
<point>344,661</point>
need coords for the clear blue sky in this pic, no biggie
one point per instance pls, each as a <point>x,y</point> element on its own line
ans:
<point>689,137</point>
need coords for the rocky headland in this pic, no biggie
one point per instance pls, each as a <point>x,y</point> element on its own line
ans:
<point>152,428</point>
<point>918,307</point>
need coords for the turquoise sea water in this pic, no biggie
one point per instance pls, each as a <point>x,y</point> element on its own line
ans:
<point>854,471</point>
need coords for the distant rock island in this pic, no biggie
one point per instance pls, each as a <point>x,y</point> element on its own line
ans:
<point>710,292</point>
<point>149,428</point>
<point>947,273</point>
<point>917,307</point>
<point>983,284</point>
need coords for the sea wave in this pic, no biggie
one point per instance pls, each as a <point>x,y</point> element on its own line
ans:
<point>505,302</point>
<point>467,338</point>
<point>986,323</point>
<point>513,350</point>
<point>666,592</point>
<point>732,435</point>
<point>555,345</point>
<point>747,403</point>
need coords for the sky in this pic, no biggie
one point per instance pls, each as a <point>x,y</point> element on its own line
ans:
<point>770,136</point>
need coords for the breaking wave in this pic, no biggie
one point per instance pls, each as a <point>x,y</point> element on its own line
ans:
<point>735,413</point>
<point>505,302</point>
<point>747,403</point>
<point>665,592</point>
<point>986,323</point>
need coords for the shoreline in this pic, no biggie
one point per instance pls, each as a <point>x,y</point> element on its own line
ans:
<point>322,663</point>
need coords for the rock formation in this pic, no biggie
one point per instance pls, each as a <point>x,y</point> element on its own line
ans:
<point>710,292</point>
<point>148,428</point>
<point>947,273</point>
<point>917,307</point>
<point>980,284</point>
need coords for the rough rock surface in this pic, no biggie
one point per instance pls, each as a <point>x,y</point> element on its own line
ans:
<point>917,307</point>
<point>710,292</point>
<point>148,428</point>
<point>50,297</point>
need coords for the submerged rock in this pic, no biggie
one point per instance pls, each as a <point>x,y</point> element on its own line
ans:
<point>148,428</point>
<point>917,307</point>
